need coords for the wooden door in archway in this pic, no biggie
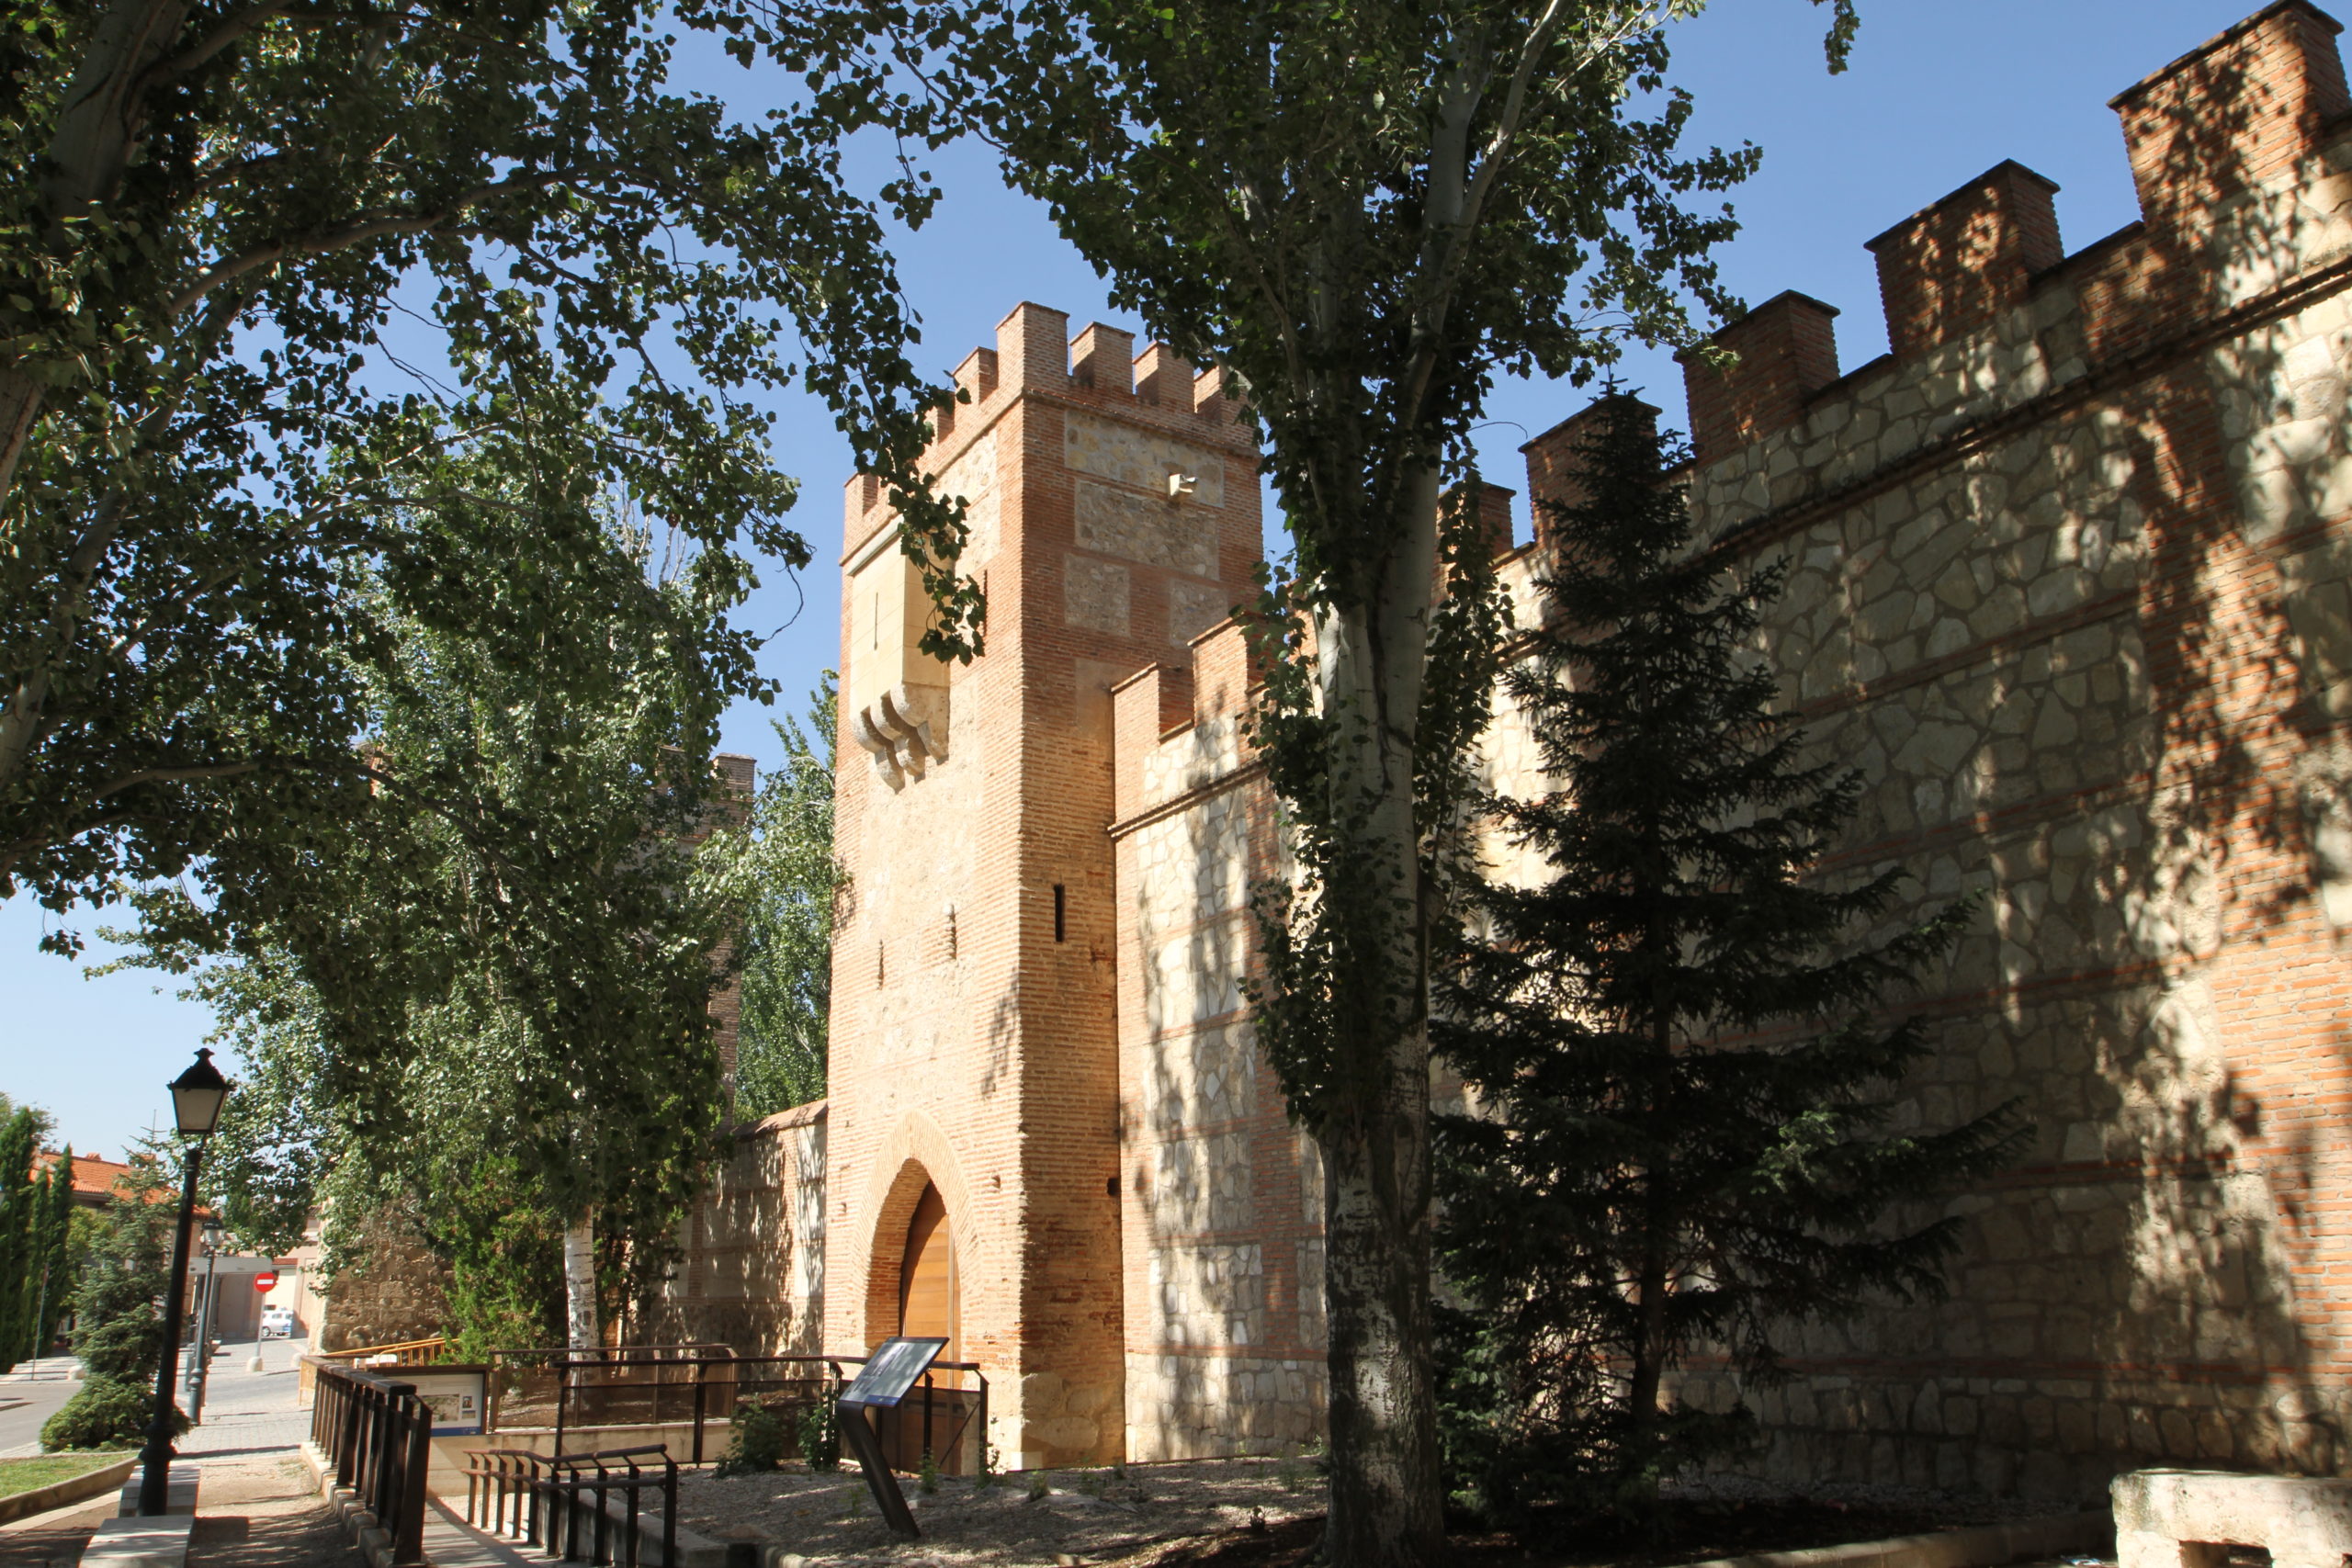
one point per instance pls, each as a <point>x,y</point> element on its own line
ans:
<point>927,1305</point>
<point>928,1308</point>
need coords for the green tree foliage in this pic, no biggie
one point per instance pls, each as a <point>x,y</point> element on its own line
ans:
<point>118,1313</point>
<point>1365,212</point>
<point>246,240</point>
<point>1676,1036</point>
<point>791,883</point>
<point>35,1230</point>
<point>479,997</point>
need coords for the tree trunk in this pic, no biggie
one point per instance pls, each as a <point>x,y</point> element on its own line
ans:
<point>580,1281</point>
<point>1387,1496</point>
<point>1387,1505</point>
<point>1649,1356</point>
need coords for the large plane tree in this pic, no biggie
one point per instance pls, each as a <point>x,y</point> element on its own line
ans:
<point>1364,211</point>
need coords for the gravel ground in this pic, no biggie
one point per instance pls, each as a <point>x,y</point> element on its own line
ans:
<point>1091,1514</point>
<point>1244,1513</point>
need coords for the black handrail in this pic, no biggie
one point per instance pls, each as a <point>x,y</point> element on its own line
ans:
<point>549,1493</point>
<point>378,1434</point>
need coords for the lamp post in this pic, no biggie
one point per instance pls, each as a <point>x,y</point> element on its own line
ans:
<point>200,1370</point>
<point>197,1095</point>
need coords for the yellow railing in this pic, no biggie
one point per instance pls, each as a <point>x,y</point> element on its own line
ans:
<point>404,1353</point>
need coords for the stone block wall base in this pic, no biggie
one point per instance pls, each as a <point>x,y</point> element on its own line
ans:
<point>1980,1546</point>
<point>158,1542</point>
<point>2189,1518</point>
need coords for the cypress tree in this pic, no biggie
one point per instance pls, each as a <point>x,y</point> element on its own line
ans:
<point>1674,1034</point>
<point>21,1211</point>
<point>47,1281</point>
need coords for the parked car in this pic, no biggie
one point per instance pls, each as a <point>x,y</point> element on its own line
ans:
<point>277,1322</point>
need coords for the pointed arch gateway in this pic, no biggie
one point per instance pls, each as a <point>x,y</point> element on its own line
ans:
<point>942,1417</point>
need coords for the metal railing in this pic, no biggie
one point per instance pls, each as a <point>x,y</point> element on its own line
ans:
<point>379,1436</point>
<point>556,1502</point>
<point>697,1386</point>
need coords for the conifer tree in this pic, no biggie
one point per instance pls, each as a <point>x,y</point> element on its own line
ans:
<point>1676,1032</point>
<point>119,1311</point>
<point>47,1281</point>
<point>21,1213</point>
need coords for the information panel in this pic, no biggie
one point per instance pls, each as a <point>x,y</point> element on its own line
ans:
<point>891,1370</point>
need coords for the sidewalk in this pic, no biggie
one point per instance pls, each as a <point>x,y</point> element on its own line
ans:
<point>258,1506</point>
<point>250,1413</point>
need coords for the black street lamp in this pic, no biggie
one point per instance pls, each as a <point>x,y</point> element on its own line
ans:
<point>197,1095</point>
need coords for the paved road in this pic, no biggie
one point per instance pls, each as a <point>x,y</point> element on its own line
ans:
<point>247,1413</point>
<point>28,1396</point>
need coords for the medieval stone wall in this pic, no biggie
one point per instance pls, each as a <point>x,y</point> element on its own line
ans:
<point>2069,578</point>
<point>752,1269</point>
<point>1222,1203</point>
<point>394,1289</point>
<point>2066,582</point>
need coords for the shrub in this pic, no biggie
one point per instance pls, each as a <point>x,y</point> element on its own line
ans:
<point>821,1439</point>
<point>758,1441</point>
<point>105,1413</point>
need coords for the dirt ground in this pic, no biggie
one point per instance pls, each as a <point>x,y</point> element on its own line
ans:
<point>1264,1513</point>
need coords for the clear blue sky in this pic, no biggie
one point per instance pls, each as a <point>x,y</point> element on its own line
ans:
<point>1939,92</point>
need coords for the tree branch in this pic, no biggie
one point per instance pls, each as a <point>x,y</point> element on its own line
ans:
<point>233,28</point>
<point>177,775</point>
<point>358,233</point>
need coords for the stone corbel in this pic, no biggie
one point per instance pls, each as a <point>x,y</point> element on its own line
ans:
<point>905,729</point>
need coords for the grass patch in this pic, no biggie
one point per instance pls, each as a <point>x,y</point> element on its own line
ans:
<point>23,1474</point>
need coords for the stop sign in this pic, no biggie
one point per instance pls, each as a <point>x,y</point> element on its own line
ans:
<point>264,1281</point>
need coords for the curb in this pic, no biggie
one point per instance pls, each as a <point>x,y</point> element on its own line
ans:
<point>373,1540</point>
<point>1978,1546</point>
<point>72,1489</point>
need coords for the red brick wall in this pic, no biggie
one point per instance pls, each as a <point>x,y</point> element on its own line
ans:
<point>993,1074</point>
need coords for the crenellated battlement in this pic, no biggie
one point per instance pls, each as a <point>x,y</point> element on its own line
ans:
<point>2238,151</point>
<point>1035,357</point>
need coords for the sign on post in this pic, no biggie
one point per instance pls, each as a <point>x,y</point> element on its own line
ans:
<point>884,1381</point>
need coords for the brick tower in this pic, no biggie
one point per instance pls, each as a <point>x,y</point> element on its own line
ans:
<point>973,1143</point>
